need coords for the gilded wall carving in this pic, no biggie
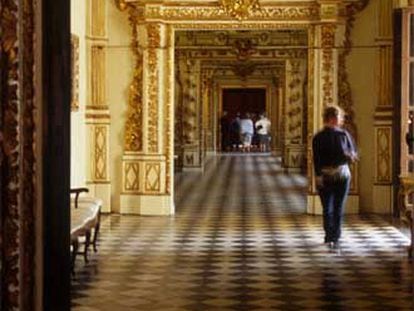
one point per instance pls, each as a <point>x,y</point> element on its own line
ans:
<point>169,103</point>
<point>206,13</point>
<point>134,123</point>
<point>295,75</point>
<point>328,42</point>
<point>189,101</point>
<point>207,98</point>
<point>74,105</point>
<point>17,158</point>
<point>240,9</point>
<point>154,41</point>
<point>310,108</point>
<point>208,54</point>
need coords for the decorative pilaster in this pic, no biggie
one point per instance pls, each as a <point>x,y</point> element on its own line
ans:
<point>147,161</point>
<point>384,112</point>
<point>321,73</point>
<point>333,33</point>
<point>97,111</point>
<point>207,110</point>
<point>294,149</point>
<point>191,102</point>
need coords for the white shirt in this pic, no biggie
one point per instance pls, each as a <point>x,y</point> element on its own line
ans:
<point>265,126</point>
<point>246,126</point>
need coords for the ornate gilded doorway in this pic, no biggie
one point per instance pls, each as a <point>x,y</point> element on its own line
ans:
<point>147,163</point>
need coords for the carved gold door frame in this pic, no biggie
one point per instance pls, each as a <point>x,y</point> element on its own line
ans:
<point>324,21</point>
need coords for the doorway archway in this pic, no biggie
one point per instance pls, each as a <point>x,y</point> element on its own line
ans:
<point>148,157</point>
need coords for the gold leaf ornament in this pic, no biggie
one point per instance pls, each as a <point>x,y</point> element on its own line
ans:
<point>240,9</point>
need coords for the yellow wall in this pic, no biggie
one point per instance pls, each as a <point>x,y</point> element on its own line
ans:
<point>78,128</point>
<point>362,64</point>
<point>120,72</point>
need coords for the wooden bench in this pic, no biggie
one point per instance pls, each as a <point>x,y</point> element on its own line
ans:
<point>406,206</point>
<point>85,219</point>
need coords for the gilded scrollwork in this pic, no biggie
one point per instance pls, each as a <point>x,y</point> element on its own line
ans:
<point>294,109</point>
<point>153,31</point>
<point>205,13</point>
<point>134,123</point>
<point>328,42</point>
<point>240,9</point>
<point>169,102</point>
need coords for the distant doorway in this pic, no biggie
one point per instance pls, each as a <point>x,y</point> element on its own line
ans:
<point>244,100</point>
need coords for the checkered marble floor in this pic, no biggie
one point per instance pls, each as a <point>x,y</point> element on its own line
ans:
<point>240,241</point>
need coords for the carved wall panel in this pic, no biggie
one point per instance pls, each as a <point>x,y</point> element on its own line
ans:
<point>383,157</point>
<point>75,72</point>
<point>97,18</point>
<point>152,177</point>
<point>97,75</point>
<point>131,177</point>
<point>100,159</point>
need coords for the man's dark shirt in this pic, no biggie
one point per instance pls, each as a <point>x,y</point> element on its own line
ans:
<point>332,147</point>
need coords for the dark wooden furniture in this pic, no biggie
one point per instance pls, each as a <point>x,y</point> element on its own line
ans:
<point>85,219</point>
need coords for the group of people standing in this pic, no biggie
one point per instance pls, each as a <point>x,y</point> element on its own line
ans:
<point>245,132</point>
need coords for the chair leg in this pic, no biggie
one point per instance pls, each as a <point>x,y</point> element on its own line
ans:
<point>87,243</point>
<point>96,233</point>
<point>75,245</point>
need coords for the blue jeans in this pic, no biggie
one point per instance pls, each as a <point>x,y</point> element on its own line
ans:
<point>333,196</point>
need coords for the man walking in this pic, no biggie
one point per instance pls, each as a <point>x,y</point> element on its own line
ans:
<point>333,151</point>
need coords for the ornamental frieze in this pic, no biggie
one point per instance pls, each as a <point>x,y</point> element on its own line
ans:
<point>230,55</point>
<point>179,13</point>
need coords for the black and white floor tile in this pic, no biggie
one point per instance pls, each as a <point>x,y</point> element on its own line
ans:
<point>241,240</point>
